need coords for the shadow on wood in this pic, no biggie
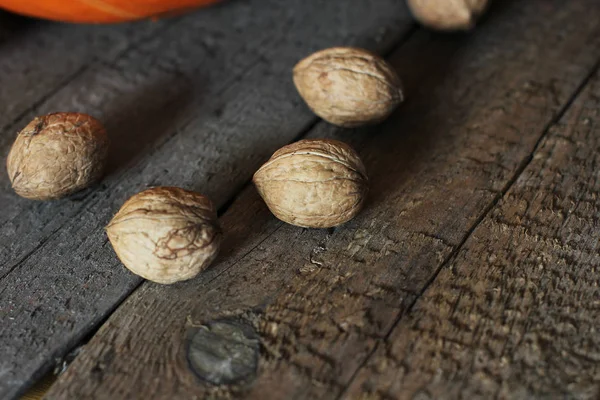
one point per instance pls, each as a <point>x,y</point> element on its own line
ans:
<point>14,27</point>
<point>142,118</point>
<point>423,66</point>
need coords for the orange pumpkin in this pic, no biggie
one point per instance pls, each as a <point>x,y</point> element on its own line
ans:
<point>99,11</point>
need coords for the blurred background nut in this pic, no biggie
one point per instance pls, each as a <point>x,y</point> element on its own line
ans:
<point>166,234</point>
<point>448,14</point>
<point>347,86</point>
<point>56,155</point>
<point>313,183</point>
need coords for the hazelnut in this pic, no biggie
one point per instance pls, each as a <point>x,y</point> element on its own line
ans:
<point>166,234</point>
<point>56,155</point>
<point>313,183</point>
<point>347,86</point>
<point>448,14</point>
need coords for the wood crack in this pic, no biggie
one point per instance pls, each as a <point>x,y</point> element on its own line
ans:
<point>518,173</point>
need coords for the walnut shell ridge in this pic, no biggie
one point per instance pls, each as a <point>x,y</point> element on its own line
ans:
<point>448,14</point>
<point>166,234</point>
<point>347,86</point>
<point>56,155</point>
<point>313,183</point>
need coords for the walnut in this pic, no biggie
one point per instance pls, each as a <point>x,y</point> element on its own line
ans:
<point>313,183</point>
<point>166,234</point>
<point>347,86</point>
<point>56,155</point>
<point>448,14</point>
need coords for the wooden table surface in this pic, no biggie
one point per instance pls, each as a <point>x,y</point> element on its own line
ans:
<point>473,271</point>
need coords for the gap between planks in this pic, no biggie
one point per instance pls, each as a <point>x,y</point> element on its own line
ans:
<point>526,162</point>
<point>514,315</point>
<point>372,35</point>
<point>44,385</point>
<point>549,72</point>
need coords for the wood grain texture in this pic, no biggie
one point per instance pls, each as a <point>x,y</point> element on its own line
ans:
<point>199,106</point>
<point>515,314</point>
<point>37,59</point>
<point>29,47</point>
<point>323,300</point>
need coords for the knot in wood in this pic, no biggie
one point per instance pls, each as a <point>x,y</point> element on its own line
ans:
<point>224,352</point>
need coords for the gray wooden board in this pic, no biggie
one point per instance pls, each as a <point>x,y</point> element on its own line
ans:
<point>324,301</point>
<point>37,58</point>
<point>515,314</point>
<point>198,106</point>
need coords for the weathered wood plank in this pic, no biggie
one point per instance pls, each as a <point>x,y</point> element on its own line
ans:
<point>29,47</point>
<point>321,301</point>
<point>515,315</point>
<point>149,94</point>
<point>200,106</point>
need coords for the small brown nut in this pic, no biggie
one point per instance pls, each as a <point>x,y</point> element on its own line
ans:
<point>313,183</point>
<point>166,234</point>
<point>347,86</point>
<point>56,155</point>
<point>448,14</point>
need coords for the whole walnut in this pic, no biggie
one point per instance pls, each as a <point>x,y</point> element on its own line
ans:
<point>166,234</point>
<point>348,86</point>
<point>448,14</point>
<point>56,155</point>
<point>313,183</point>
